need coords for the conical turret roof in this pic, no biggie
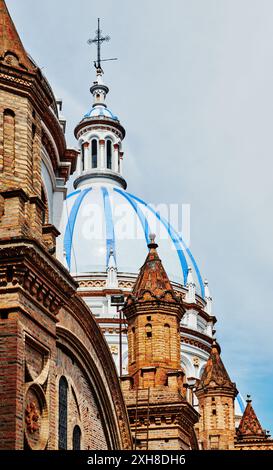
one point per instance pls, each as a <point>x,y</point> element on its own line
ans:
<point>12,51</point>
<point>250,426</point>
<point>215,373</point>
<point>152,276</point>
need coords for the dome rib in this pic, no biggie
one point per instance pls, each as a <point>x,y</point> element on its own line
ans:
<point>138,211</point>
<point>69,231</point>
<point>110,231</point>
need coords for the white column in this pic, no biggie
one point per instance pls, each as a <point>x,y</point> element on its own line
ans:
<point>87,164</point>
<point>101,156</point>
<point>79,162</point>
<point>115,157</point>
<point>121,162</point>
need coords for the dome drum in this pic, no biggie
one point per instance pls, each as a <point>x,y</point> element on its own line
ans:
<point>90,123</point>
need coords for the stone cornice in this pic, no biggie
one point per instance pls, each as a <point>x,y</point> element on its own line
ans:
<point>25,264</point>
<point>15,193</point>
<point>196,333</point>
<point>28,84</point>
<point>49,228</point>
<point>201,312</point>
<point>219,390</point>
<point>100,174</point>
<point>152,307</point>
<point>94,123</point>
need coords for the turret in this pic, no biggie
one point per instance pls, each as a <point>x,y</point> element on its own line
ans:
<point>216,394</point>
<point>250,435</point>
<point>154,389</point>
<point>153,313</point>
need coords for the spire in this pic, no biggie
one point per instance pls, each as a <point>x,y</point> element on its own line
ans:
<point>99,90</point>
<point>112,272</point>
<point>152,276</point>
<point>208,298</point>
<point>250,426</point>
<point>100,133</point>
<point>12,51</point>
<point>190,297</point>
<point>215,373</point>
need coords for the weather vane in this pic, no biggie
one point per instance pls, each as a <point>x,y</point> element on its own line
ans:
<point>99,39</point>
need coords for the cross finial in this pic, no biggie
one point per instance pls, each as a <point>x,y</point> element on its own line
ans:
<point>99,39</point>
<point>152,243</point>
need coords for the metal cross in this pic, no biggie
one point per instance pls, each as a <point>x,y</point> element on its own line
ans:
<point>99,39</point>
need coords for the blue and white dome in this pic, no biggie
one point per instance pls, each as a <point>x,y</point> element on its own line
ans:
<point>101,217</point>
<point>100,111</point>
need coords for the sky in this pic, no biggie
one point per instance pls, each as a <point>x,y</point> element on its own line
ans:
<point>193,86</point>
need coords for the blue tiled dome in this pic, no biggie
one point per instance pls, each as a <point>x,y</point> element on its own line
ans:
<point>100,111</point>
<point>112,211</point>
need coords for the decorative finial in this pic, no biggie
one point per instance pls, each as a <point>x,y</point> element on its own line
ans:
<point>152,243</point>
<point>190,296</point>
<point>99,39</point>
<point>190,280</point>
<point>248,399</point>
<point>208,298</point>
<point>112,276</point>
<point>111,258</point>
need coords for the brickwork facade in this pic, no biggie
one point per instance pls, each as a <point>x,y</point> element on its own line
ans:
<point>46,331</point>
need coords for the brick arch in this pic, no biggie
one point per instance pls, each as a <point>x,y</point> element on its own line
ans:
<point>50,151</point>
<point>110,419</point>
<point>9,112</point>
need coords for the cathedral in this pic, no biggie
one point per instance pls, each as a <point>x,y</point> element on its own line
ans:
<point>107,331</point>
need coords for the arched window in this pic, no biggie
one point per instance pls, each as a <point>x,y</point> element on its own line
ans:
<point>94,152</point>
<point>109,154</point>
<point>7,162</point>
<point>167,341</point>
<point>63,389</point>
<point>148,342</point>
<point>77,438</point>
<point>133,343</point>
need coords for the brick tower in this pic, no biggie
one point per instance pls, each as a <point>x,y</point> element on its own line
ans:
<point>250,435</point>
<point>216,394</point>
<point>33,285</point>
<point>160,416</point>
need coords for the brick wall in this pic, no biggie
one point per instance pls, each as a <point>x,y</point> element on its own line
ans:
<point>216,427</point>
